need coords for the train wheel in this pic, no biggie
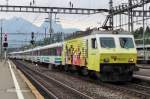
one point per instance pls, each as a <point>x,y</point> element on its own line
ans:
<point>61,68</point>
<point>94,74</point>
<point>73,68</point>
<point>84,71</point>
<point>50,66</point>
<point>66,68</point>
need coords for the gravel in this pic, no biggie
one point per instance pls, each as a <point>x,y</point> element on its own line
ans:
<point>97,91</point>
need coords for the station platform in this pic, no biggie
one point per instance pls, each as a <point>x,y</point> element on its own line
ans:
<point>144,66</point>
<point>12,83</point>
<point>143,73</point>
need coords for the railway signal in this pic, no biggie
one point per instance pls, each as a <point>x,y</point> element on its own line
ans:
<point>5,37</point>
<point>32,35</point>
<point>32,42</point>
<point>32,38</point>
<point>5,44</point>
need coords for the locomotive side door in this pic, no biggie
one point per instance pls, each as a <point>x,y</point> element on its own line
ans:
<point>93,55</point>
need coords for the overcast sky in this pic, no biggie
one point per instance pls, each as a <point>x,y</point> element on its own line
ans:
<point>67,21</point>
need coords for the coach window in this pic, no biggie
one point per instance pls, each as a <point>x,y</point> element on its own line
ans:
<point>42,52</point>
<point>37,53</point>
<point>54,52</point>
<point>34,53</point>
<point>48,51</point>
<point>94,43</point>
<point>58,51</point>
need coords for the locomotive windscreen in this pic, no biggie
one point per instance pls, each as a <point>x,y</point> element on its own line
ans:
<point>107,42</point>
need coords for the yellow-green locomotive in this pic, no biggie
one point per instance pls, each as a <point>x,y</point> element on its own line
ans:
<point>111,55</point>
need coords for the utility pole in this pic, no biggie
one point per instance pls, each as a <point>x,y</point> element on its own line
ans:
<point>62,36</point>
<point>56,19</point>
<point>49,20</point>
<point>1,39</point>
<point>50,26</point>
<point>120,20</point>
<point>130,17</point>
<point>110,13</point>
<point>7,2</point>
<point>45,31</point>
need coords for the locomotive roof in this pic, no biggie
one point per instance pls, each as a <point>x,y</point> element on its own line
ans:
<point>93,32</point>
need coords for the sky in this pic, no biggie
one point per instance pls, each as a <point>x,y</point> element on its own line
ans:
<point>67,21</point>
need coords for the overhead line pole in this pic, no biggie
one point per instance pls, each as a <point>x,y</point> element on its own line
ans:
<point>129,15</point>
<point>110,13</point>
<point>50,26</point>
<point>45,31</point>
<point>143,31</point>
<point>121,9</point>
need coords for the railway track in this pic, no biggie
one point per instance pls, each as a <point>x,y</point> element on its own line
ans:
<point>143,92</point>
<point>140,89</point>
<point>50,87</point>
<point>134,89</point>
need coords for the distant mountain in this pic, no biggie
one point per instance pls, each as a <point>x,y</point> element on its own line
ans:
<point>20,25</point>
<point>59,28</point>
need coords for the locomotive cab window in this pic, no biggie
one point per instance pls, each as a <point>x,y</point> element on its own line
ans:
<point>94,43</point>
<point>107,42</point>
<point>126,42</point>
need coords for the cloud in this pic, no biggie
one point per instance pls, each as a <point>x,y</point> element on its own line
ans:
<point>79,21</point>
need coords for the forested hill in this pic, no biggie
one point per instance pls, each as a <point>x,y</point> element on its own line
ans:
<point>138,33</point>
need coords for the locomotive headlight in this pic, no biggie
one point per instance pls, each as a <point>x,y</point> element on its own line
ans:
<point>131,60</point>
<point>106,60</point>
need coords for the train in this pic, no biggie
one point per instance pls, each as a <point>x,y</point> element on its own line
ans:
<point>108,55</point>
<point>143,53</point>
